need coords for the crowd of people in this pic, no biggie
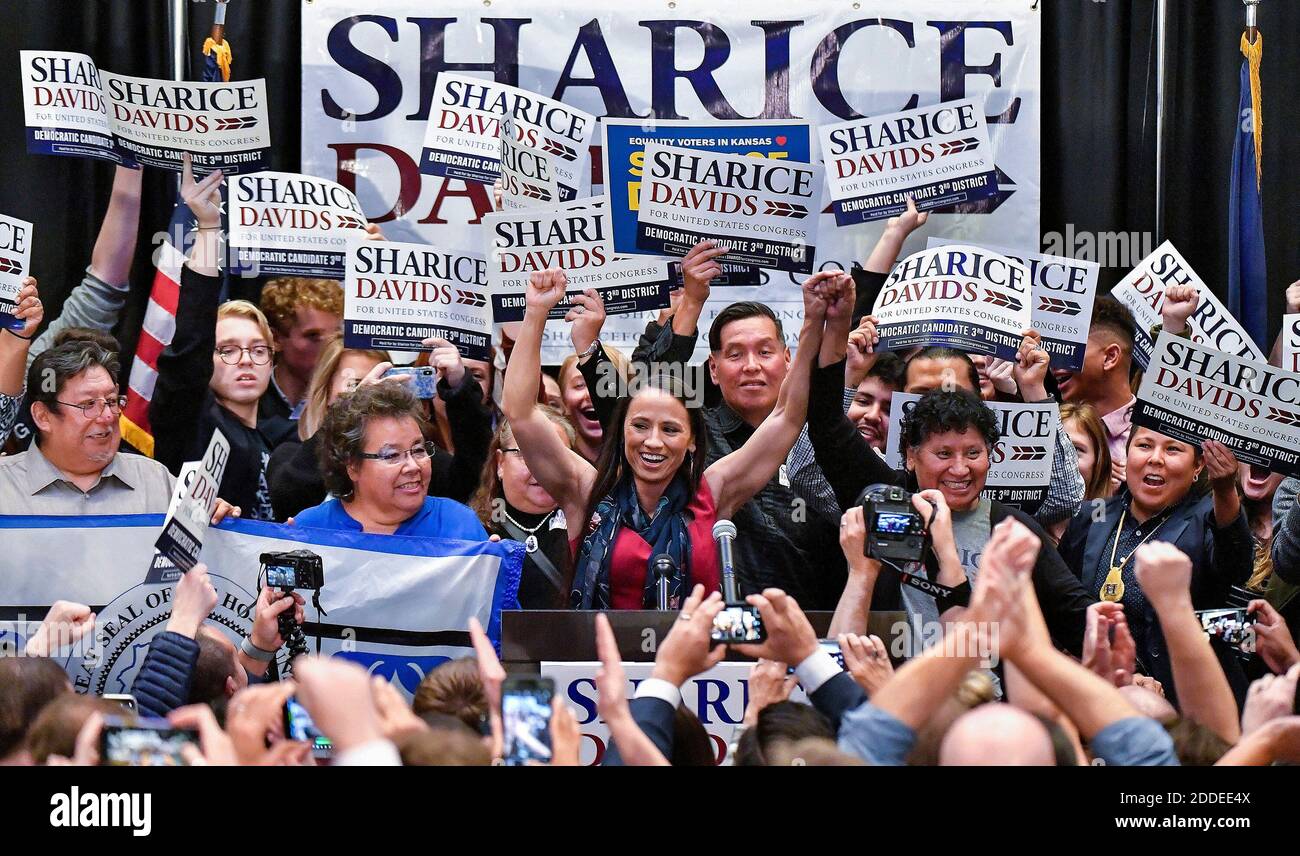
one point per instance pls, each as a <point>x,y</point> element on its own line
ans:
<point>603,464</point>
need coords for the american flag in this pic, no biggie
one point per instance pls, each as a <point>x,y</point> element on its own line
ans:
<point>160,317</point>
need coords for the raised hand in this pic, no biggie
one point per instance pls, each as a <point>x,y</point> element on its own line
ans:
<point>867,660</point>
<point>65,624</point>
<point>699,268</point>
<point>28,308</point>
<point>446,359</point>
<point>1030,372</point>
<point>1271,697</point>
<point>688,650</point>
<point>266,617</point>
<point>337,695</point>
<point>492,675</point>
<point>861,351</point>
<point>203,197</point>
<point>192,600</point>
<point>612,705</point>
<point>769,683</point>
<point>910,220</point>
<point>1220,465</point>
<point>1165,574</point>
<point>586,319</point>
<point>1179,304</point>
<point>545,290</point>
<point>1001,375</point>
<point>1293,298</point>
<point>1273,639</point>
<point>790,637</point>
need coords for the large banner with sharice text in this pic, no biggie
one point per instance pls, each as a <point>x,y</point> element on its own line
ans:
<point>370,78</point>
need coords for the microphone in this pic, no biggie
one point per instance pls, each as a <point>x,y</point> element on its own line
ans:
<point>724,532</point>
<point>665,569</point>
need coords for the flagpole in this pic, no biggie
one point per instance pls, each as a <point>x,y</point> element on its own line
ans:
<point>1252,25</point>
<point>1162,45</point>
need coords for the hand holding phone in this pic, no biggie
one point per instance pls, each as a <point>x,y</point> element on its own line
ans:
<point>526,717</point>
<point>738,624</point>
<point>144,742</point>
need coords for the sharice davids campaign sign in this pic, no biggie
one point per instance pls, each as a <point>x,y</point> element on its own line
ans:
<point>1291,342</point>
<point>15,261</point>
<point>528,175</point>
<point>460,140</point>
<point>1143,292</point>
<point>624,166</point>
<point>396,295</point>
<point>192,504</point>
<point>764,210</point>
<point>576,238</point>
<point>1062,295</point>
<point>937,155</point>
<point>1020,465</point>
<point>292,225</point>
<point>960,296</point>
<point>1194,393</point>
<point>150,122</point>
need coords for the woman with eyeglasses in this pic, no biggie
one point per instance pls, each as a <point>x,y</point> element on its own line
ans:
<point>215,370</point>
<point>376,463</point>
<point>513,504</point>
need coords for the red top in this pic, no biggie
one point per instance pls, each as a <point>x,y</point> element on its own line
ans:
<point>630,555</point>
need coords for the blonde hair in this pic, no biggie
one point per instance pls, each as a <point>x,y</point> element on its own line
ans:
<point>281,298</point>
<point>249,312</point>
<point>317,400</point>
<point>617,357</point>
<point>1099,486</point>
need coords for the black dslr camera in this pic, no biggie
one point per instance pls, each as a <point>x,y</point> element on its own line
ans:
<point>896,532</point>
<point>301,569</point>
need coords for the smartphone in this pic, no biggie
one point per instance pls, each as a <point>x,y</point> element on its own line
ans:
<point>526,717</point>
<point>143,742</point>
<point>1234,627</point>
<point>298,725</point>
<point>125,699</point>
<point>830,646</point>
<point>424,379</point>
<point>736,624</point>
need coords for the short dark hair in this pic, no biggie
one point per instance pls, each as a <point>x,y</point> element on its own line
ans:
<point>65,361</point>
<point>941,352</point>
<point>739,312</point>
<point>1108,313</point>
<point>782,722</point>
<point>30,683</point>
<point>216,662</point>
<point>343,430</point>
<point>692,746</point>
<point>939,412</point>
<point>85,334</point>
<point>890,369</point>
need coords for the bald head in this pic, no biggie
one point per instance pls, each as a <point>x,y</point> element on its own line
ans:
<point>997,735</point>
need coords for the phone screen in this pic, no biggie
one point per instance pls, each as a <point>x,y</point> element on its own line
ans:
<point>526,717</point>
<point>298,725</point>
<point>143,743</point>
<point>737,624</point>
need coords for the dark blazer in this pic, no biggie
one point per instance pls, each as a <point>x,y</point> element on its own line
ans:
<point>1221,558</point>
<point>837,697</point>
<point>656,718</point>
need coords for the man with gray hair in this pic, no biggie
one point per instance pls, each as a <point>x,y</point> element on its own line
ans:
<point>75,467</point>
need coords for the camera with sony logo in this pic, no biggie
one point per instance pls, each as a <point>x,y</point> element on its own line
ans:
<point>896,531</point>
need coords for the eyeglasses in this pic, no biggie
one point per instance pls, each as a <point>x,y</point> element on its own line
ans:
<point>232,354</point>
<point>93,409</point>
<point>419,455</point>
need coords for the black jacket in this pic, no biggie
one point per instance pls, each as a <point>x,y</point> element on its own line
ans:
<point>184,412</point>
<point>851,465</point>
<point>163,682</point>
<point>1221,558</point>
<point>655,717</point>
<point>294,471</point>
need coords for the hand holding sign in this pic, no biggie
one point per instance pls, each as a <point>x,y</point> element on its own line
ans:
<point>1179,305</point>
<point>1030,372</point>
<point>445,358</point>
<point>699,268</point>
<point>909,221</point>
<point>1293,297</point>
<point>193,599</point>
<point>28,308</point>
<point>203,197</point>
<point>1221,466</point>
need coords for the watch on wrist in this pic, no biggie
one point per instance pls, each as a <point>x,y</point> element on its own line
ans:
<point>255,652</point>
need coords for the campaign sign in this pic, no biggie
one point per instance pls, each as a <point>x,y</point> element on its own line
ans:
<point>937,155</point>
<point>527,174</point>
<point>191,508</point>
<point>292,225</point>
<point>15,261</point>
<point>1143,292</point>
<point>764,210</point>
<point>624,166</point>
<point>1291,342</point>
<point>574,237</point>
<point>465,121</point>
<point>1020,465</point>
<point>64,107</point>
<point>396,295</point>
<point>964,297</point>
<point>627,286</point>
<point>1194,393</point>
<point>1062,296</point>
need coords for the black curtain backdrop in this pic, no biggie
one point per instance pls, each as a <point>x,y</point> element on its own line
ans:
<point>1098,133</point>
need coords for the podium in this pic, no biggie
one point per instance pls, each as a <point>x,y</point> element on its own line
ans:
<point>529,637</point>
